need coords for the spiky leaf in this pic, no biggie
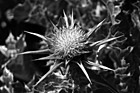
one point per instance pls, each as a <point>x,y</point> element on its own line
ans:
<point>84,70</point>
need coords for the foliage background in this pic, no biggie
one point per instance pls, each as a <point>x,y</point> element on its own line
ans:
<point>36,16</point>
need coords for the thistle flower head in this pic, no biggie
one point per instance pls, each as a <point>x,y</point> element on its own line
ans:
<point>69,41</point>
<point>69,38</point>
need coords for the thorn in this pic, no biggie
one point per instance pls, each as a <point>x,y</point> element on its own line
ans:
<point>66,19</point>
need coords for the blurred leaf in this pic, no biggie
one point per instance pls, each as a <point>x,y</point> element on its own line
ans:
<point>4,50</point>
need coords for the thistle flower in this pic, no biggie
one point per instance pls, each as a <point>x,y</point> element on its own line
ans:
<point>68,41</point>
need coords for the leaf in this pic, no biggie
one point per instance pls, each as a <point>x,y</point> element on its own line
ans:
<point>4,50</point>
<point>8,74</point>
<point>84,70</point>
<point>20,44</point>
<point>53,68</point>
<point>96,78</point>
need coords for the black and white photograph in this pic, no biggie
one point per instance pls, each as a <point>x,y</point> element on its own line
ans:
<point>69,46</point>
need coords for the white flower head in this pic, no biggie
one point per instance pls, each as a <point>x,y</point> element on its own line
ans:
<point>69,38</point>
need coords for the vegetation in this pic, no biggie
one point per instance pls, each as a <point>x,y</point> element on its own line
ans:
<point>70,46</point>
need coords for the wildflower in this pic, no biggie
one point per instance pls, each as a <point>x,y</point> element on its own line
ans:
<point>68,41</point>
